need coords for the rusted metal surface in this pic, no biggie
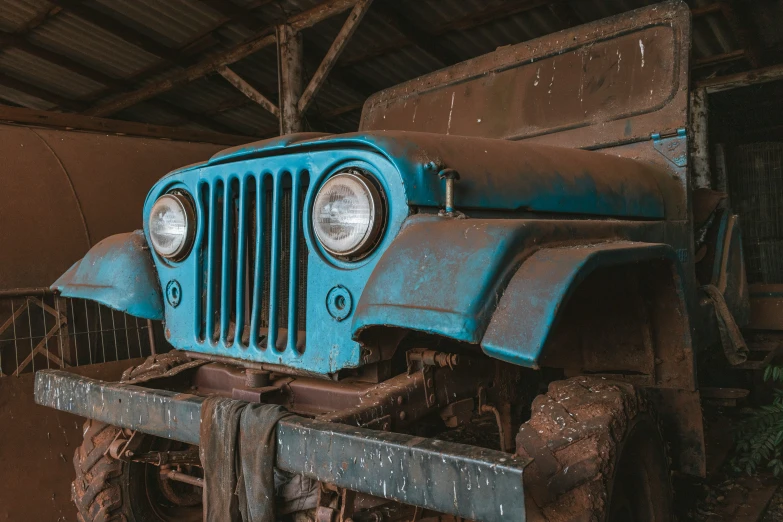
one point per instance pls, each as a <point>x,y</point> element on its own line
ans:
<point>396,404</point>
<point>638,307</point>
<point>766,307</point>
<point>471,482</point>
<point>613,81</point>
<point>683,426</point>
<point>38,443</point>
<point>498,174</point>
<point>85,187</point>
<point>467,481</point>
<point>183,477</point>
<point>460,267</point>
<point>543,284</point>
<point>117,272</point>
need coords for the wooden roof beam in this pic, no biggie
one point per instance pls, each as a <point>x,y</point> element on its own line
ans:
<point>248,90</point>
<point>88,123</point>
<point>333,54</point>
<point>216,61</point>
<point>745,79</point>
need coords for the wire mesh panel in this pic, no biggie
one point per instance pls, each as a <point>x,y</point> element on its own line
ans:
<point>756,189</point>
<point>42,330</point>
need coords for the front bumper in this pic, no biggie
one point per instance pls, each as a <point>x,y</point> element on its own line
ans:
<point>466,481</point>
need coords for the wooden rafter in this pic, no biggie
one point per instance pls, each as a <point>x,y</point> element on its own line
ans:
<point>734,81</point>
<point>211,64</point>
<point>89,123</point>
<point>112,84</point>
<point>333,54</point>
<point>248,90</point>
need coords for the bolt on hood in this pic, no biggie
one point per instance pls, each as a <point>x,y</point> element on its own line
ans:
<point>494,174</point>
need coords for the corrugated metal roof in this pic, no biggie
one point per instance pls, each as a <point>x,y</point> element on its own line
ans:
<point>177,33</point>
<point>16,14</point>
<point>70,35</point>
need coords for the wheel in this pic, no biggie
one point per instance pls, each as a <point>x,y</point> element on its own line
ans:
<point>106,489</point>
<point>598,455</point>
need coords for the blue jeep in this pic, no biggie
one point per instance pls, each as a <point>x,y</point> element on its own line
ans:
<point>487,303</point>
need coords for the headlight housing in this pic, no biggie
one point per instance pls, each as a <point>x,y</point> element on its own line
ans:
<point>348,214</point>
<point>172,226</point>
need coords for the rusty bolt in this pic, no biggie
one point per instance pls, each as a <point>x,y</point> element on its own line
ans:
<point>400,400</point>
<point>403,415</point>
<point>385,426</point>
<point>430,382</point>
<point>451,176</point>
<point>432,397</point>
<point>168,333</point>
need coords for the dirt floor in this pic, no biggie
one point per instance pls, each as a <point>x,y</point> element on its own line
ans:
<point>775,510</point>
<point>727,495</point>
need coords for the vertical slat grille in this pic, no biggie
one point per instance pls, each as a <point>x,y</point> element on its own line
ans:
<point>248,267</point>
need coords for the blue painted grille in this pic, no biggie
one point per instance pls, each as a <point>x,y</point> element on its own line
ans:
<point>254,261</point>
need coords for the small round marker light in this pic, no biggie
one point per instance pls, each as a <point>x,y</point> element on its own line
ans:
<point>171,226</point>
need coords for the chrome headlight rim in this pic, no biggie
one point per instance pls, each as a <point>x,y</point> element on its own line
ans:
<point>374,232</point>
<point>184,201</point>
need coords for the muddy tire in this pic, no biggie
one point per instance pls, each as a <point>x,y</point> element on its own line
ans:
<point>106,489</point>
<point>598,455</point>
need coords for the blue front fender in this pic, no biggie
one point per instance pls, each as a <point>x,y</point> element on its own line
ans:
<point>498,283</point>
<point>119,273</point>
<point>537,293</point>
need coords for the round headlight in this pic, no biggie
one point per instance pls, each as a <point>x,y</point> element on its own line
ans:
<point>171,225</point>
<point>348,214</point>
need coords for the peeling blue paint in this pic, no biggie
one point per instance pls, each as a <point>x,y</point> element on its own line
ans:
<point>540,288</point>
<point>119,273</point>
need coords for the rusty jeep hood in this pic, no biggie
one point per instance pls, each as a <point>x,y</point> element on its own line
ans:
<point>494,174</point>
